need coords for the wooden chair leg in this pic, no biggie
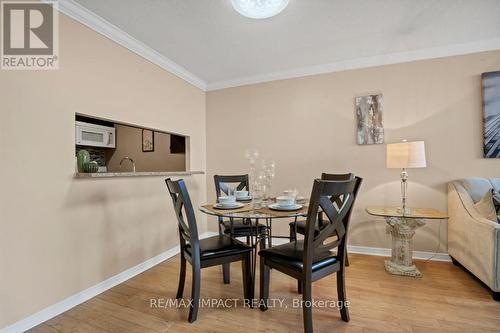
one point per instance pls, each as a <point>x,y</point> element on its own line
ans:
<point>346,259</point>
<point>262,241</point>
<point>225,267</point>
<point>299,286</point>
<point>344,311</point>
<point>307,306</point>
<point>293,234</point>
<point>182,277</point>
<point>269,237</point>
<point>226,273</point>
<point>195,293</point>
<point>247,279</point>
<point>265,273</point>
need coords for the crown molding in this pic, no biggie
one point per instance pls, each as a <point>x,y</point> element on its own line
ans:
<point>105,28</point>
<point>100,25</point>
<point>379,60</point>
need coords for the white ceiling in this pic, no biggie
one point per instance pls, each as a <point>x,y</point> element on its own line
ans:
<point>222,48</point>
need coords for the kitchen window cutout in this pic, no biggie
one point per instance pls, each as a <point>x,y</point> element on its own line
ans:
<point>119,147</point>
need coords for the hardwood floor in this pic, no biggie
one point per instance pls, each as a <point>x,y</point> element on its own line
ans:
<point>445,299</point>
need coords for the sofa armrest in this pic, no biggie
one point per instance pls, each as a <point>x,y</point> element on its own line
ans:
<point>472,239</point>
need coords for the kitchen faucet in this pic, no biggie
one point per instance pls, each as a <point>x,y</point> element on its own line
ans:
<point>127,158</point>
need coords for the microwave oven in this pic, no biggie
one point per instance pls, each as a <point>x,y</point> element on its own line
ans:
<point>95,135</point>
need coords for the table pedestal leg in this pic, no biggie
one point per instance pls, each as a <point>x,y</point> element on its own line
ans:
<point>402,231</point>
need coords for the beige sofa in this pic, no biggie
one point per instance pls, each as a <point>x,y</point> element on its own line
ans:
<point>473,240</point>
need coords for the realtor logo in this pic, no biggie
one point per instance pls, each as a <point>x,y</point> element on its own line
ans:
<point>30,35</point>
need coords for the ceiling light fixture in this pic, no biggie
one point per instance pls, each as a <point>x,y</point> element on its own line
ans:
<point>259,9</point>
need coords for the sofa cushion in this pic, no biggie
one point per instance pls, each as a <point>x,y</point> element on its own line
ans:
<point>496,201</point>
<point>495,182</point>
<point>476,187</point>
<point>486,208</point>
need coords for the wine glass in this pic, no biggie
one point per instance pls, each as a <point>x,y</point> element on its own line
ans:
<point>258,195</point>
<point>267,175</point>
<point>251,155</point>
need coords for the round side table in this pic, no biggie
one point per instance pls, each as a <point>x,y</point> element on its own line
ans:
<point>402,228</point>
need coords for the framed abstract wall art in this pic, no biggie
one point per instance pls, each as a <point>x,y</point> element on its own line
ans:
<point>369,110</point>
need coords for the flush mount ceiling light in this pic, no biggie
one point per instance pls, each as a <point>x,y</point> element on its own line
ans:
<point>259,9</point>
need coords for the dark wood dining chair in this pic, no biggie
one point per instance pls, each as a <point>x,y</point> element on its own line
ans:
<point>311,259</point>
<point>298,227</point>
<point>239,227</point>
<point>201,253</point>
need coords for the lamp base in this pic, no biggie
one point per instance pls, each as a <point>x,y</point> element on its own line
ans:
<point>404,189</point>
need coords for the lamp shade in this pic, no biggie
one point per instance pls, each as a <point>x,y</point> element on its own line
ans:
<point>405,155</point>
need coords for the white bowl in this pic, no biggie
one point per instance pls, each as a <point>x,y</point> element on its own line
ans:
<point>241,194</point>
<point>285,201</point>
<point>227,200</point>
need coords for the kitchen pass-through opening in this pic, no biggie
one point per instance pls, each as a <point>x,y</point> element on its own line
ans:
<point>112,146</point>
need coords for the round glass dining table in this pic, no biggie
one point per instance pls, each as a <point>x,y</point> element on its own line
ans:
<point>252,211</point>
<point>252,214</point>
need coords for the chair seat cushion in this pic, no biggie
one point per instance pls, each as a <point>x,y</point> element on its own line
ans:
<point>240,228</point>
<point>301,227</point>
<point>218,246</point>
<point>291,255</point>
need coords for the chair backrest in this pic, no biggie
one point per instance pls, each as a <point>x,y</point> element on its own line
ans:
<point>345,176</point>
<point>221,183</point>
<point>337,176</point>
<point>184,212</point>
<point>335,211</point>
<point>333,198</point>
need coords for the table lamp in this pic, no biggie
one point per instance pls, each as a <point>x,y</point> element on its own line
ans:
<point>405,155</point>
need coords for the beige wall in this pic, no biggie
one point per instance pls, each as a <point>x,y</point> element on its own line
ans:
<point>129,143</point>
<point>61,235</point>
<point>308,126</point>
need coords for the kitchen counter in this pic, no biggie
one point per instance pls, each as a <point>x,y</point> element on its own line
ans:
<point>137,174</point>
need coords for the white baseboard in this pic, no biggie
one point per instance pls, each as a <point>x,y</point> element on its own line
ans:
<point>384,252</point>
<point>371,251</point>
<point>72,301</point>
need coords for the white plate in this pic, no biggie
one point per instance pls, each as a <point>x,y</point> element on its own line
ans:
<point>233,206</point>
<point>244,198</point>
<point>275,206</point>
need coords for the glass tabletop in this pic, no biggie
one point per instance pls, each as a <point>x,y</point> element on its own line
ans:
<point>249,211</point>
<point>423,213</point>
